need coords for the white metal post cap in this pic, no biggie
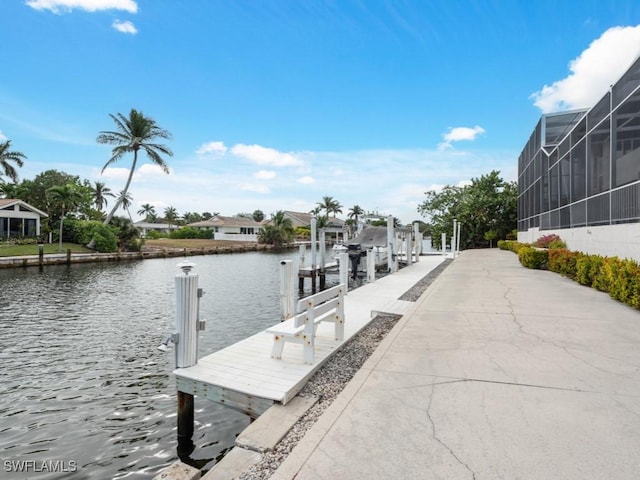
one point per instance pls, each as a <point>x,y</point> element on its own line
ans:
<point>186,267</point>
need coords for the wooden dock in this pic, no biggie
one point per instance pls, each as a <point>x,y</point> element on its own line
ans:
<point>243,376</point>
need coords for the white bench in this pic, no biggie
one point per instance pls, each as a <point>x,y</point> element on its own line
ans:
<point>326,306</point>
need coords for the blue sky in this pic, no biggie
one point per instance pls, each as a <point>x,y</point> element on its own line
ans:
<point>274,104</point>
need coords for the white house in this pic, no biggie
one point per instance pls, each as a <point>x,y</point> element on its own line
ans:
<point>19,219</point>
<point>240,229</point>
<point>146,227</point>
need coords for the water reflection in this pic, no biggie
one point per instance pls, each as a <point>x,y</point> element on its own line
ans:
<point>82,379</point>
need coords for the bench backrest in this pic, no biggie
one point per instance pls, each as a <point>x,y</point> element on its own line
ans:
<point>320,298</point>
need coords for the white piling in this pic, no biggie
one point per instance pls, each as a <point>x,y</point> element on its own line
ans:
<point>287,293</point>
<point>371,266</point>
<point>443,241</point>
<point>343,266</point>
<point>454,247</point>
<point>313,244</point>
<point>303,251</point>
<point>323,246</point>
<point>458,237</point>
<point>392,257</point>
<point>408,249</point>
<point>186,338</point>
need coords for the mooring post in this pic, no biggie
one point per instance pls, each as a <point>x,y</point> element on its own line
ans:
<point>417,236</point>
<point>443,240</point>
<point>286,290</point>
<point>314,243</point>
<point>392,257</point>
<point>343,268</point>
<point>40,255</point>
<point>408,249</point>
<point>322,245</point>
<point>68,256</point>
<point>453,238</point>
<point>186,343</point>
<point>371,266</point>
<point>458,237</point>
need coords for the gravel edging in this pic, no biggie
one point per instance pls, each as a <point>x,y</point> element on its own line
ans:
<point>334,375</point>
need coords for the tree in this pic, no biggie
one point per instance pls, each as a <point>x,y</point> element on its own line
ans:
<point>148,211</point>
<point>258,215</point>
<point>66,197</point>
<point>489,203</point>
<point>315,211</point>
<point>134,133</point>
<point>355,212</point>
<point>100,193</point>
<point>170,215</point>
<point>279,231</point>
<point>330,206</point>
<point>8,156</point>
<point>126,200</point>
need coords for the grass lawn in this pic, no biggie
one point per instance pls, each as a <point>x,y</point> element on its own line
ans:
<point>18,250</point>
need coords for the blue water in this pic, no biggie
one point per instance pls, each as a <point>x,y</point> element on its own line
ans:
<point>82,382</point>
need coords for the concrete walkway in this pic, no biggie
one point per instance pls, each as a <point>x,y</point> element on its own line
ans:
<point>500,373</point>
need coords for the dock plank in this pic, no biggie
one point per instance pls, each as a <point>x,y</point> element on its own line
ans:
<point>245,376</point>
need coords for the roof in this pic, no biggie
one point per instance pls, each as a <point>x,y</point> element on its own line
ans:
<point>371,237</point>
<point>220,221</point>
<point>300,219</point>
<point>8,202</point>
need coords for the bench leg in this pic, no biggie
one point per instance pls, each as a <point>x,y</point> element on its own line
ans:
<point>339,328</point>
<point>308,344</point>
<point>278,346</point>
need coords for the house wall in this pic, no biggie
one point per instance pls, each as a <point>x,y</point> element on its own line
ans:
<point>621,241</point>
<point>16,213</point>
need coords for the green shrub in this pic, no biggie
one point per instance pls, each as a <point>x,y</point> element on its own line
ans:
<point>512,235</point>
<point>563,261</point>
<point>557,244</point>
<point>587,269</point>
<point>546,240</point>
<point>533,258</point>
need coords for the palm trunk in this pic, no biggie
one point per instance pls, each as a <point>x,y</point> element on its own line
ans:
<point>60,239</point>
<point>92,243</point>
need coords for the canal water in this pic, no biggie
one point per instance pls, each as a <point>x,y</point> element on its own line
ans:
<point>84,390</point>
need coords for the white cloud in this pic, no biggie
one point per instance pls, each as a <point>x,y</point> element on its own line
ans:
<point>252,187</point>
<point>265,156</point>
<point>265,175</point>
<point>151,169</point>
<point>116,173</point>
<point>592,72</point>
<point>57,6</point>
<point>458,134</point>
<point>306,180</point>
<point>125,27</point>
<point>212,149</point>
<point>2,137</point>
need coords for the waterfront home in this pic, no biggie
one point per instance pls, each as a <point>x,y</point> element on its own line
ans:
<point>19,219</point>
<point>334,225</point>
<point>146,227</point>
<point>240,229</point>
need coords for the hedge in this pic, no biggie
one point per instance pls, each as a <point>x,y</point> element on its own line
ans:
<point>619,278</point>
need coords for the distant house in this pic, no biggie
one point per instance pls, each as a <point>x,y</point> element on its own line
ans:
<point>19,219</point>
<point>240,229</point>
<point>298,219</point>
<point>146,227</point>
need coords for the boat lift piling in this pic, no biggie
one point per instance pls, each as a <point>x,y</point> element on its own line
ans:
<point>185,338</point>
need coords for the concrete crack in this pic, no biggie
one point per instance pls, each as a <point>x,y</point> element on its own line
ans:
<point>435,436</point>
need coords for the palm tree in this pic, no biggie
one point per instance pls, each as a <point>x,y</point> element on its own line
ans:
<point>315,211</point>
<point>8,190</point>
<point>135,132</point>
<point>354,212</point>
<point>149,212</point>
<point>279,231</point>
<point>6,156</point>
<point>67,198</point>
<point>100,193</point>
<point>170,215</point>
<point>330,206</point>
<point>125,200</point>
